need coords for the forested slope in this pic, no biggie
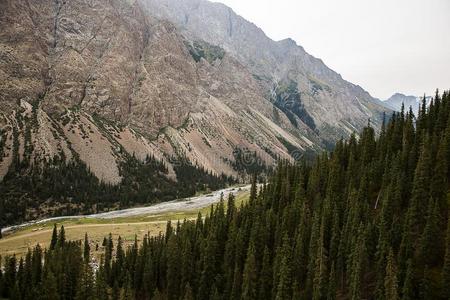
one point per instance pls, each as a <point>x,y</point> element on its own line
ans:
<point>367,221</point>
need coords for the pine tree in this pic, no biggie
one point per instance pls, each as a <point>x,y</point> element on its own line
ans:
<point>408,284</point>
<point>61,237</point>
<point>36,265</point>
<point>119,263</point>
<point>332,286</point>
<point>86,289</point>
<point>446,268</point>
<point>390,281</point>
<point>284,288</point>
<point>9,280</point>
<point>357,267</point>
<point>265,277</point>
<point>49,285</point>
<point>128,291</point>
<point>321,276</point>
<point>250,276</point>
<point>54,238</point>
<point>109,245</point>
<point>420,193</point>
<point>430,244</point>
<point>101,284</point>
<point>209,264</point>
<point>173,268</point>
<point>439,177</point>
<point>87,249</point>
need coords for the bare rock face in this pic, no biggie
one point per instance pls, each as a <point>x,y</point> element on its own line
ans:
<point>99,80</point>
<point>330,101</point>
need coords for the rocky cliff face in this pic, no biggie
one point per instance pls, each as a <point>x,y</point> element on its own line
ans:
<point>101,80</point>
<point>335,105</point>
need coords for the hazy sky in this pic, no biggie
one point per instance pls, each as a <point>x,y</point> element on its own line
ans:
<point>386,46</point>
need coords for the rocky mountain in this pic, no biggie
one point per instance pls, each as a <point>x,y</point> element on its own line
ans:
<point>325,102</point>
<point>101,81</point>
<point>396,101</point>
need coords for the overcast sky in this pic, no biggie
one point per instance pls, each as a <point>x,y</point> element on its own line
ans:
<point>386,46</point>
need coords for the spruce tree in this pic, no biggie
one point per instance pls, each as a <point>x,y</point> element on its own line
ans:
<point>358,265</point>
<point>61,237</point>
<point>446,268</point>
<point>87,249</point>
<point>9,280</point>
<point>408,284</point>
<point>250,276</point>
<point>321,275</point>
<point>173,268</point>
<point>420,193</point>
<point>390,281</point>
<point>430,244</point>
<point>265,277</point>
<point>101,286</point>
<point>49,286</point>
<point>127,293</point>
<point>86,288</point>
<point>54,238</point>
<point>284,288</point>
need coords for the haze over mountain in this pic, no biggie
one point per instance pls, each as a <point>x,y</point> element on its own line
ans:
<point>102,81</point>
<point>384,57</point>
<point>396,101</point>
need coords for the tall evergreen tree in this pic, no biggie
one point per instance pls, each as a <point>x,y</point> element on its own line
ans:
<point>284,288</point>
<point>87,249</point>
<point>250,276</point>
<point>54,238</point>
<point>446,268</point>
<point>61,237</point>
<point>49,286</point>
<point>390,281</point>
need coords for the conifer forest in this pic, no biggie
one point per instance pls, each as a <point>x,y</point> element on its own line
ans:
<point>368,220</point>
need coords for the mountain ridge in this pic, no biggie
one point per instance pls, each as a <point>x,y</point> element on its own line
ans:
<point>115,79</point>
<point>211,22</point>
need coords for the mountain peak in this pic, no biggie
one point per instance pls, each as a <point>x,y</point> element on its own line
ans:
<point>166,78</point>
<point>288,41</point>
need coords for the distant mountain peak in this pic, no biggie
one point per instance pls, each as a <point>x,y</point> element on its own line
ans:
<point>396,101</point>
<point>288,41</point>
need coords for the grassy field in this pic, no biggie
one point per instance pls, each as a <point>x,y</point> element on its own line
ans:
<point>19,241</point>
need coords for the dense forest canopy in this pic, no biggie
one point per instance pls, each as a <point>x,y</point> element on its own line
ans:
<point>60,187</point>
<point>366,221</point>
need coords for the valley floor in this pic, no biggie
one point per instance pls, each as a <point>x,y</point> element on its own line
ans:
<point>125,223</point>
